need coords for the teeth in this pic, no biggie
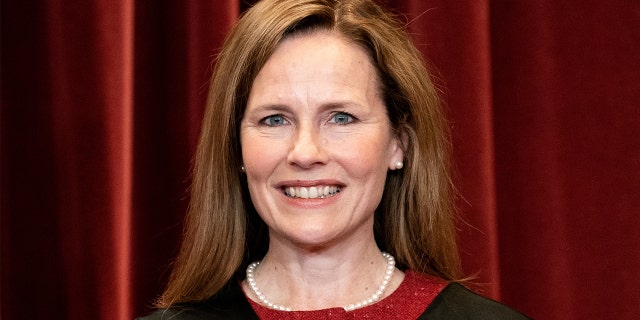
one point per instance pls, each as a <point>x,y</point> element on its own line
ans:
<point>311,192</point>
<point>304,194</point>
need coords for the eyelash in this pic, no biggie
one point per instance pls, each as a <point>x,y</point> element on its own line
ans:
<point>266,119</point>
<point>350,119</point>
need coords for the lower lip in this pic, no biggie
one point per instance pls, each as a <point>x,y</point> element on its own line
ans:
<point>310,203</point>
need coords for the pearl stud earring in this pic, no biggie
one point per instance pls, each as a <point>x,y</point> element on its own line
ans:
<point>242,169</point>
<point>399,164</point>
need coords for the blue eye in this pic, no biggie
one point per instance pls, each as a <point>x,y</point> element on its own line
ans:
<point>274,120</point>
<point>341,118</point>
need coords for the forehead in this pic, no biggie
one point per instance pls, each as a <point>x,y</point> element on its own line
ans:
<point>321,43</point>
<point>318,57</point>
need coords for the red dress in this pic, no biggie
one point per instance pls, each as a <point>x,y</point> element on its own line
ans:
<point>408,301</point>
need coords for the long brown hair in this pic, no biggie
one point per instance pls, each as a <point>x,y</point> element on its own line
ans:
<point>414,221</point>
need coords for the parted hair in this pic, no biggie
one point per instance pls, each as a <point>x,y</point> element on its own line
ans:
<point>415,218</point>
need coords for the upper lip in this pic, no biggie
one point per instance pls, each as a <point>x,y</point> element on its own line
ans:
<point>309,183</point>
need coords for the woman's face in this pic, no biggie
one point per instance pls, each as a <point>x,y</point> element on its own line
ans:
<point>317,142</point>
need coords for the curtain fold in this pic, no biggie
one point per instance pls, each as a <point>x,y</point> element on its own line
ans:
<point>89,46</point>
<point>101,108</point>
<point>566,85</point>
<point>175,43</point>
<point>454,37</point>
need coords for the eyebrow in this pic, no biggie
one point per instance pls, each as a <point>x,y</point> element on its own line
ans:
<point>322,108</point>
<point>271,107</point>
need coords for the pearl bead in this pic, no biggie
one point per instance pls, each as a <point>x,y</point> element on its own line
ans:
<point>391,267</point>
<point>254,287</point>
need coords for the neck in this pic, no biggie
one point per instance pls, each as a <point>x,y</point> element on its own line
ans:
<point>320,278</point>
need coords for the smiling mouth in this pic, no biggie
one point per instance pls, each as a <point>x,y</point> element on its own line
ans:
<point>318,192</point>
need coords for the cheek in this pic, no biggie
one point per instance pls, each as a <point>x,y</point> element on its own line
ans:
<point>251,151</point>
<point>257,164</point>
<point>366,159</point>
<point>260,158</point>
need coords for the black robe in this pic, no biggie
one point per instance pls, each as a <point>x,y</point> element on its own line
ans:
<point>453,302</point>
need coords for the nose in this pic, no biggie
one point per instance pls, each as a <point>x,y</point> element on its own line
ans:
<point>306,148</point>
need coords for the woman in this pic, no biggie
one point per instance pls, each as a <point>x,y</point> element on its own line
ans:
<point>320,183</point>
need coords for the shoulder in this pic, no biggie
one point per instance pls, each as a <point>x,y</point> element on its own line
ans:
<point>457,302</point>
<point>229,303</point>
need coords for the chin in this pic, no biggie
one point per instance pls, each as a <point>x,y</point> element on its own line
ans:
<point>311,238</point>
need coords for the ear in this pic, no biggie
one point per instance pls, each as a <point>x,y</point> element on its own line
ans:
<point>396,160</point>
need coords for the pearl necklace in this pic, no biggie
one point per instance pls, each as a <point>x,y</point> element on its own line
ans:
<point>391,266</point>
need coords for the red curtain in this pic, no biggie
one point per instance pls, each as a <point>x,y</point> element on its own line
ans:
<point>101,107</point>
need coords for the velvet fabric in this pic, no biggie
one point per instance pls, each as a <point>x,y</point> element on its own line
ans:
<point>102,102</point>
<point>418,297</point>
<point>409,301</point>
